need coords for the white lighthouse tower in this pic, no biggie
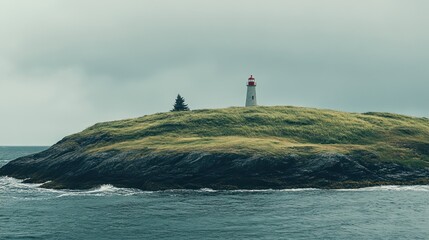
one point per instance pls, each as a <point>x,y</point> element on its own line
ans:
<point>251,92</point>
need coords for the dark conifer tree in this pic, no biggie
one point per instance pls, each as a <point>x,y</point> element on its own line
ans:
<point>180,104</point>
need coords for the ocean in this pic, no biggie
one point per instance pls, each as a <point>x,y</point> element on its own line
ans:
<point>106,212</point>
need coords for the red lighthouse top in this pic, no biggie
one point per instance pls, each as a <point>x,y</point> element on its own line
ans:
<point>251,81</point>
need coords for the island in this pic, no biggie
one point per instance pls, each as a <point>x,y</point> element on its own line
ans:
<point>277,147</point>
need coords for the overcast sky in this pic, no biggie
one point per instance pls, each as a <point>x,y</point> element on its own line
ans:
<point>65,65</point>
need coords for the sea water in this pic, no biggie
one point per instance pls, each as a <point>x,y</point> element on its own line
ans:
<point>106,212</point>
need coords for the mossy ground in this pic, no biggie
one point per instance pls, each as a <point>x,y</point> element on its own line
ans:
<point>271,131</point>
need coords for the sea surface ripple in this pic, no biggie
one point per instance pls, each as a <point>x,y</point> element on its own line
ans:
<point>106,212</point>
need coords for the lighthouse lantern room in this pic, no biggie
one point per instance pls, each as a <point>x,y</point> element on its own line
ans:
<point>251,92</point>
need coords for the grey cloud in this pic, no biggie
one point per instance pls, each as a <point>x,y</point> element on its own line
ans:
<point>72,63</point>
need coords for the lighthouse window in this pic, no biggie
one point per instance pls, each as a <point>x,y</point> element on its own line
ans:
<point>253,97</point>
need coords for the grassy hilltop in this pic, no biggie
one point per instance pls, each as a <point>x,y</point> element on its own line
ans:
<point>268,131</point>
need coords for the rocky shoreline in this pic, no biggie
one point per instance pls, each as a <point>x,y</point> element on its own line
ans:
<point>79,170</point>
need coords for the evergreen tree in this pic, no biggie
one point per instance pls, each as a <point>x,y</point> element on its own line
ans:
<point>180,104</point>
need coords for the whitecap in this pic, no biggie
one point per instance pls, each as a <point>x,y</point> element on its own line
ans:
<point>275,190</point>
<point>104,190</point>
<point>209,190</point>
<point>13,183</point>
<point>416,188</point>
<point>26,191</point>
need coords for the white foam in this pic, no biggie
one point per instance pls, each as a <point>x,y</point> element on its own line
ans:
<point>16,189</point>
<point>416,188</point>
<point>25,190</point>
<point>8,184</point>
<point>104,190</point>
<point>277,190</point>
<point>209,190</point>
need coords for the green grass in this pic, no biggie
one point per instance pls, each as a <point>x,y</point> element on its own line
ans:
<point>270,131</point>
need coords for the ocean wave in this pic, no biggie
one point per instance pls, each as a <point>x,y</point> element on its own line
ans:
<point>108,189</point>
<point>104,190</point>
<point>16,189</point>
<point>34,191</point>
<point>179,190</point>
<point>277,190</point>
<point>209,190</point>
<point>13,183</point>
<point>415,188</point>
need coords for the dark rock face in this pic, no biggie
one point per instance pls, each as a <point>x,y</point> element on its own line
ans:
<point>67,166</point>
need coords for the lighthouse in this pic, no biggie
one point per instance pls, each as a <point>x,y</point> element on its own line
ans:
<point>251,92</point>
